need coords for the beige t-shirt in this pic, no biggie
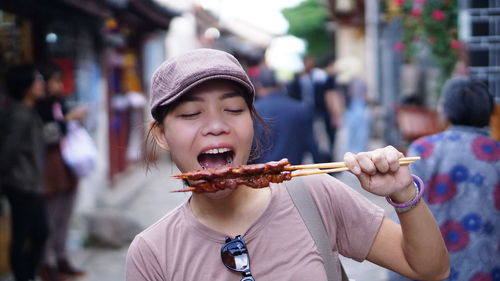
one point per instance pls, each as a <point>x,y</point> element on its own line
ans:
<point>179,248</point>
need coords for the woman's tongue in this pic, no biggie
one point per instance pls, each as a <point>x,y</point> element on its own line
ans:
<point>214,160</point>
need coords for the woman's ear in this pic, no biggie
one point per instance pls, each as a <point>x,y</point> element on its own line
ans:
<point>159,136</point>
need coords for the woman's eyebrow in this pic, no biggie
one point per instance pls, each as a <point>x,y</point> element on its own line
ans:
<point>231,95</point>
<point>188,98</point>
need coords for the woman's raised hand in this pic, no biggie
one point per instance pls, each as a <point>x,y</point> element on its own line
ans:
<point>380,173</point>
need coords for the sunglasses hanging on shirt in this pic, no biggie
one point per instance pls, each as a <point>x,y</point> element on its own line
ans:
<point>235,256</point>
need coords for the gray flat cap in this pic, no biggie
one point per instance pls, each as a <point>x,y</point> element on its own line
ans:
<point>179,74</point>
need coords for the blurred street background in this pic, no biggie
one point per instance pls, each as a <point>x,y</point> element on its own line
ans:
<point>402,50</point>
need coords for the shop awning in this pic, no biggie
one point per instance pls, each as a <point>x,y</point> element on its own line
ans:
<point>148,12</point>
<point>152,12</point>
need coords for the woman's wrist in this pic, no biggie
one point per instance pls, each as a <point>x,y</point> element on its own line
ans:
<point>405,194</point>
<point>412,201</point>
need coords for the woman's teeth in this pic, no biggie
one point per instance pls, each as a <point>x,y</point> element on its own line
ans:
<point>216,157</point>
<point>217,150</point>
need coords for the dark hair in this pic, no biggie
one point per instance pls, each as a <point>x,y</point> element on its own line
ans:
<point>19,79</point>
<point>266,78</point>
<point>326,60</point>
<point>48,70</point>
<point>467,101</point>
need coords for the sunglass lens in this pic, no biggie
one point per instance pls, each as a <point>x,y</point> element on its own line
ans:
<point>235,256</point>
<point>228,260</point>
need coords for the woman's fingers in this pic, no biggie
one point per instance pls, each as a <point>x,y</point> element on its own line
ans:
<point>366,163</point>
<point>377,170</point>
<point>393,156</point>
<point>380,160</point>
<point>354,166</point>
<point>352,163</point>
<point>360,163</point>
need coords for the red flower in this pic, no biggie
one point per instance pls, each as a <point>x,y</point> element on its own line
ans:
<point>455,236</point>
<point>416,13</point>
<point>438,15</point>
<point>441,189</point>
<point>481,277</point>
<point>399,2</point>
<point>455,44</point>
<point>486,149</point>
<point>399,46</point>
<point>423,147</point>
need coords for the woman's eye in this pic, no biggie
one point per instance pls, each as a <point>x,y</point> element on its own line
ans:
<point>189,115</point>
<point>234,111</point>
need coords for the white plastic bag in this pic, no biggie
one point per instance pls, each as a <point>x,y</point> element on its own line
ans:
<point>78,150</point>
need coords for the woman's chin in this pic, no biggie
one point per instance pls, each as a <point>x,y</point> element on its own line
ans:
<point>221,194</point>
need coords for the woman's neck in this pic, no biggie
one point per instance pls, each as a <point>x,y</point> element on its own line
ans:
<point>234,213</point>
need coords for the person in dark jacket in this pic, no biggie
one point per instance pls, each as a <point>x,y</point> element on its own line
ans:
<point>290,122</point>
<point>310,87</point>
<point>21,163</point>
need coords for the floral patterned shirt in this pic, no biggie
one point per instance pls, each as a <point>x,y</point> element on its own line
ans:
<point>461,170</point>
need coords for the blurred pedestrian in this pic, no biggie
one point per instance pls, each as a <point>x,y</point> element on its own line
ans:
<point>59,183</point>
<point>202,105</point>
<point>461,167</point>
<point>290,122</point>
<point>303,87</point>
<point>21,164</point>
<point>333,104</point>
<point>356,118</point>
<point>308,86</point>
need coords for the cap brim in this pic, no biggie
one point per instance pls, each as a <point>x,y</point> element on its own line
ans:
<point>171,99</point>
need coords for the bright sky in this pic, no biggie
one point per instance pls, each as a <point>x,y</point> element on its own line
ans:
<point>265,14</point>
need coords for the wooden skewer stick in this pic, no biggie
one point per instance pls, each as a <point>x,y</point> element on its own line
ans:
<point>407,161</point>
<point>331,165</point>
<point>314,172</point>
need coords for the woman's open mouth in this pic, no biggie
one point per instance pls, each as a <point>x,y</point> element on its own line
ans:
<point>216,157</point>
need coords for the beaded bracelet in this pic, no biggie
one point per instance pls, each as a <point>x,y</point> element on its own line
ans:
<point>403,207</point>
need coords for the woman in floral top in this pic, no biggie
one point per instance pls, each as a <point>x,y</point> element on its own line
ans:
<point>461,168</point>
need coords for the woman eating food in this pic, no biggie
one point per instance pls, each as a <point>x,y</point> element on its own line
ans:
<point>202,106</point>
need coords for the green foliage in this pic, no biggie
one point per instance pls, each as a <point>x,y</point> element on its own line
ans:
<point>308,21</point>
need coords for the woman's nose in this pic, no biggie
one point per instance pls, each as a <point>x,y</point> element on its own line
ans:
<point>215,124</point>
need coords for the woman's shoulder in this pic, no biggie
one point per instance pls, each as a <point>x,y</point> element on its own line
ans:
<point>325,188</point>
<point>164,226</point>
<point>322,181</point>
<point>345,213</point>
<point>16,111</point>
<point>331,192</point>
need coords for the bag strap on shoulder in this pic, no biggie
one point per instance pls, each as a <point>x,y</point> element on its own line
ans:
<point>309,212</point>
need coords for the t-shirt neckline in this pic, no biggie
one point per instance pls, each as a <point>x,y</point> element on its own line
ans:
<point>211,234</point>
